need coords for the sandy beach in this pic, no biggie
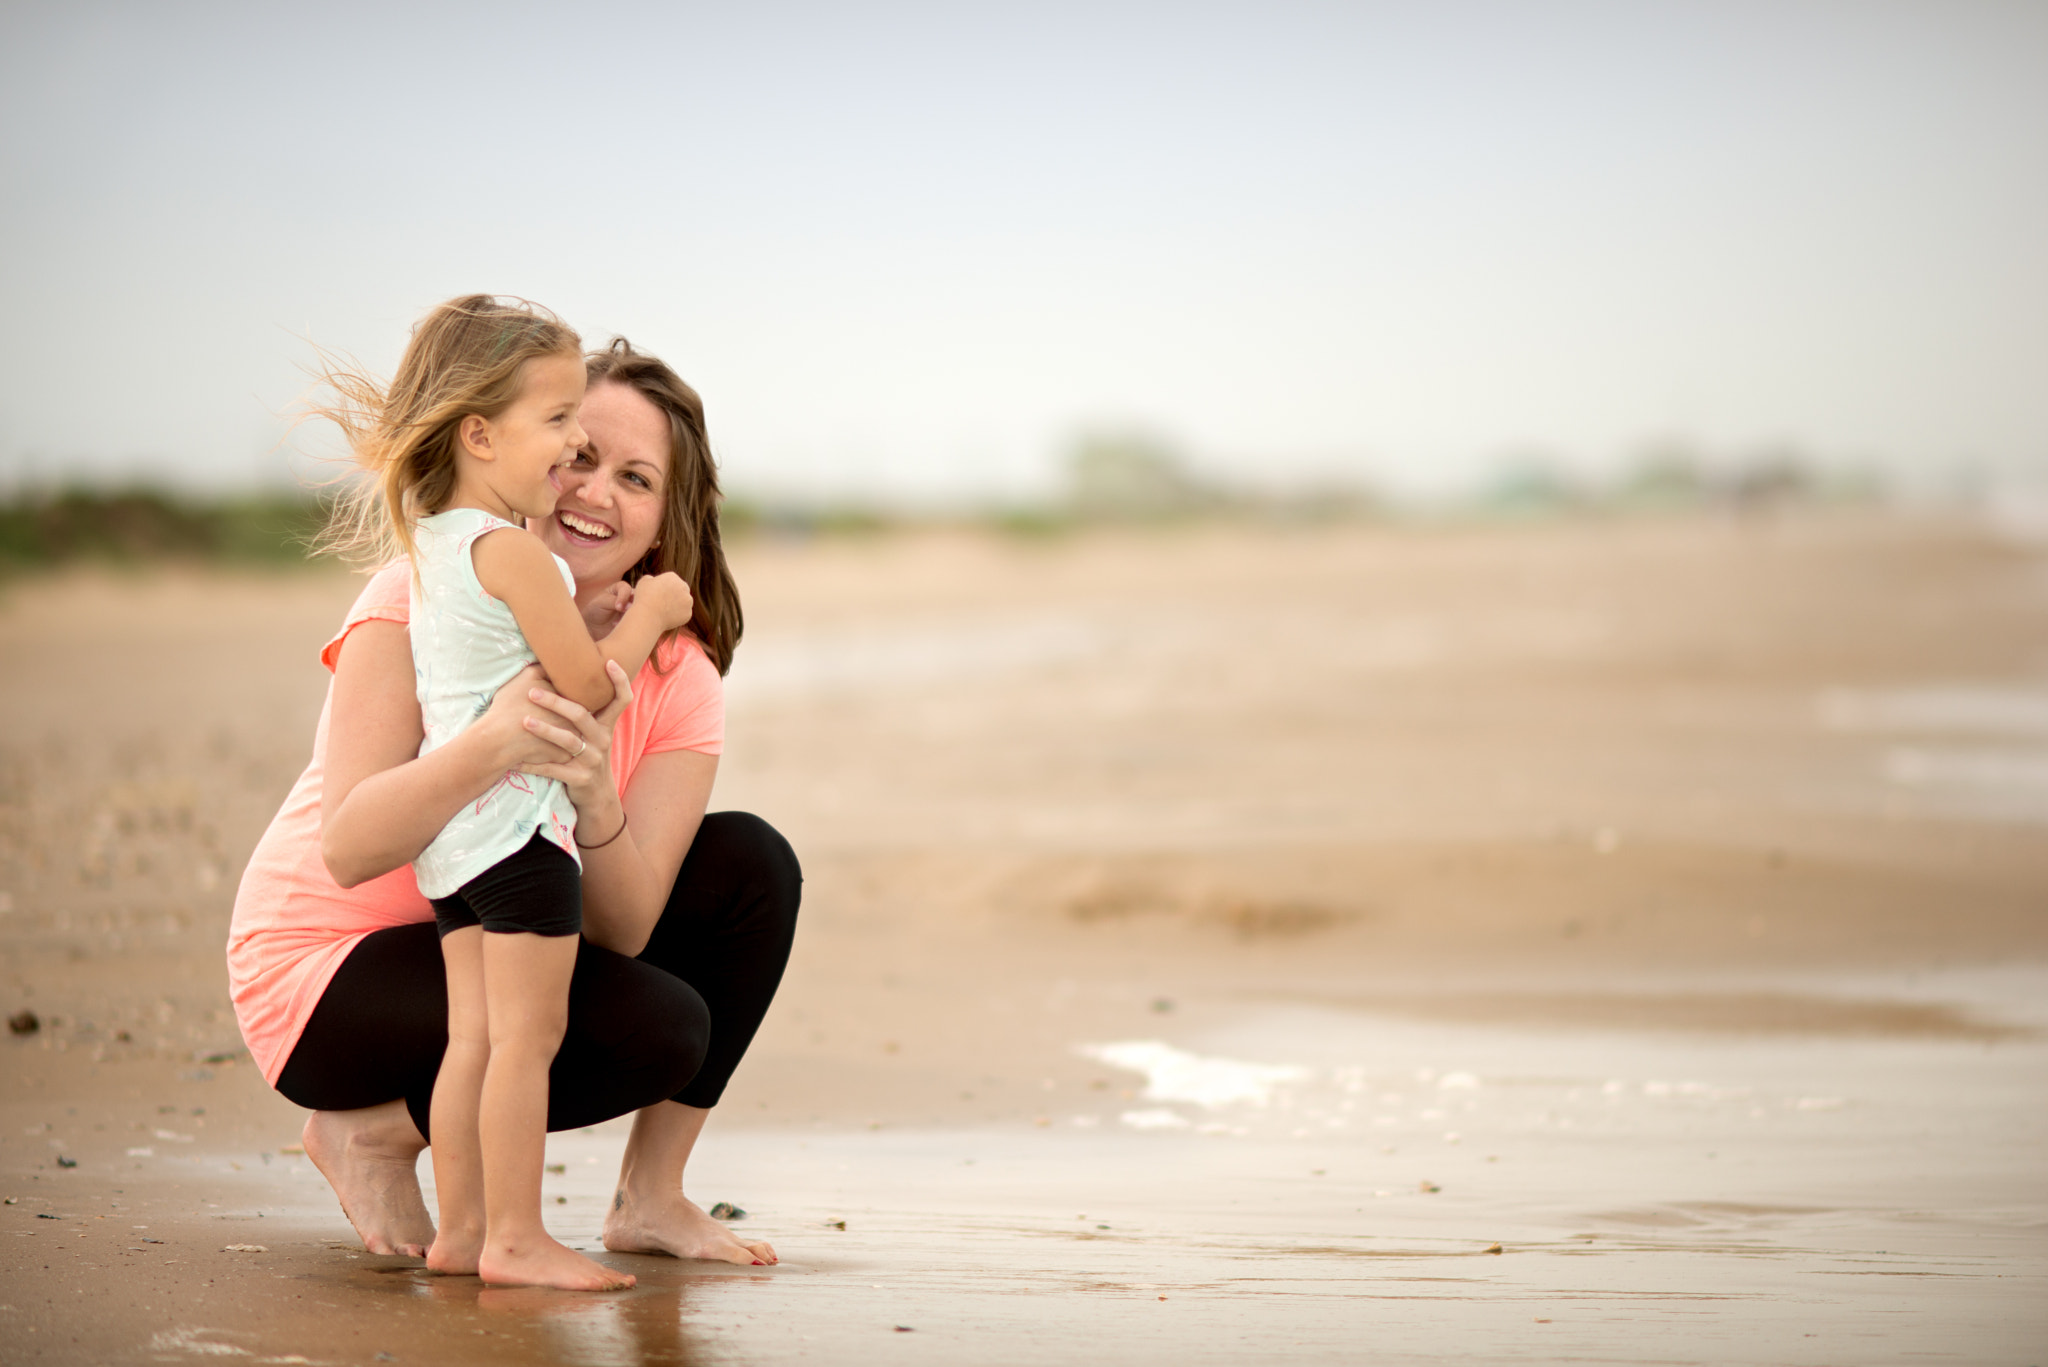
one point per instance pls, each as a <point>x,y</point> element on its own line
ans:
<point>1594,940</point>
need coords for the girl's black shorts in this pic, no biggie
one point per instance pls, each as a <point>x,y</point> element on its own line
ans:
<point>539,891</point>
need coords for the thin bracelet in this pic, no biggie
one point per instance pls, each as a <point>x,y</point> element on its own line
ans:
<point>608,839</point>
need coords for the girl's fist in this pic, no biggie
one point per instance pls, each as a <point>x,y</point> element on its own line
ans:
<point>667,596</point>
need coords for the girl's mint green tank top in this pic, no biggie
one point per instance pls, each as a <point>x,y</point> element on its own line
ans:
<point>465,647</point>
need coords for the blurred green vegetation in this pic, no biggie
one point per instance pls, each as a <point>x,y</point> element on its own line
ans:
<point>1112,479</point>
<point>1671,476</point>
<point>50,528</point>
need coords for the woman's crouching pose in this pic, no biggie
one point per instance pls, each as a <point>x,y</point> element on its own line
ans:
<point>687,919</point>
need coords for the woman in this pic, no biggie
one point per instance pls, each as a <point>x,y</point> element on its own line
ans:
<point>688,918</point>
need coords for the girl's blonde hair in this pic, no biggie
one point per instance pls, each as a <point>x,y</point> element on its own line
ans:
<point>466,358</point>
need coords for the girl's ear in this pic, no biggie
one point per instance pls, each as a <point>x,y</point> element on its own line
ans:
<point>474,434</point>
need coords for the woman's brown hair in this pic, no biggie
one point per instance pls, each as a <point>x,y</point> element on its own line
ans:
<point>688,542</point>
<point>468,356</point>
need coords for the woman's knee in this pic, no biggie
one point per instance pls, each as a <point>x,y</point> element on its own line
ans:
<point>636,1035</point>
<point>632,1016</point>
<point>755,853</point>
<point>672,1036</point>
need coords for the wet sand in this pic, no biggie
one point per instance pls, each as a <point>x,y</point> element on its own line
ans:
<point>1670,896</point>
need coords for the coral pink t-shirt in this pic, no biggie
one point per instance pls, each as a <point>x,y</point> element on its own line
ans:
<point>293,924</point>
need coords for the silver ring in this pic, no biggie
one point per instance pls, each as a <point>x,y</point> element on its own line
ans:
<point>583,744</point>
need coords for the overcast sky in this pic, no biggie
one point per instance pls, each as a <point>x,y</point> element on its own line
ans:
<point>911,251</point>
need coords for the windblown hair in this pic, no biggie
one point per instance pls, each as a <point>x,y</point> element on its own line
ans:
<point>467,357</point>
<point>688,543</point>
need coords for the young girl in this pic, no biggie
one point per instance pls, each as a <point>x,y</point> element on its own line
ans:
<point>464,444</point>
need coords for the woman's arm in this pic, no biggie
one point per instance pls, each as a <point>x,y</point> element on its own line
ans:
<point>626,883</point>
<point>381,802</point>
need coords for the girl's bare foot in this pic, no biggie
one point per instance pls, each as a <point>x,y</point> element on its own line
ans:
<point>544,1262</point>
<point>456,1252</point>
<point>368,1157</point>
<point>671,1223</point>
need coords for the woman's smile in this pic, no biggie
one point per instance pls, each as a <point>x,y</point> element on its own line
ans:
<point>583,530</point>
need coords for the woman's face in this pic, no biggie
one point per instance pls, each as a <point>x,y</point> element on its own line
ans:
<point>612,492</point>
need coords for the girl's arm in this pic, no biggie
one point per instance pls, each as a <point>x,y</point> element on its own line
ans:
<point>627,880</point>
<point>381,803</point>
<point>517,569</point>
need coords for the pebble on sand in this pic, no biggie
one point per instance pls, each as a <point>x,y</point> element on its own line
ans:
<point>1428,1186</point>
<point>244,1248</point>
<point>1493,1248</point>
<point>24,1022</point>
<point>726,1210</point>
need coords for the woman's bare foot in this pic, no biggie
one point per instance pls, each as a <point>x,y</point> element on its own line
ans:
<point>544,1262</point>
<point>672,1223</point>
<point>368,1157</point>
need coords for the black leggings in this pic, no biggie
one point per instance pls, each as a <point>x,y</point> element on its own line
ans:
<point>671,1024</point>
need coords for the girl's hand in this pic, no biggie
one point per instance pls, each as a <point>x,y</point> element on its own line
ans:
<point>580,754</point>
<point>669,595</point>
<point>603,611</point>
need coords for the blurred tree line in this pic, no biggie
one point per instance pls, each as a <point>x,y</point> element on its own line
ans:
<point>1671,475</point>
<point>1116,477</point>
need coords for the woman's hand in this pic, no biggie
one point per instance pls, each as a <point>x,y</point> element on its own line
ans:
<point>580,754</point>
<point>508,725</point>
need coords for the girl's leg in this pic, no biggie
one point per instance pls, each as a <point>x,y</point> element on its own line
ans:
<point>638,1031</point>
<point>526,983</point>
<point>459,1181</point>
<point>367,1060</point>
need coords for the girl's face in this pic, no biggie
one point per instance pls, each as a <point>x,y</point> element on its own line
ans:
<point>609,511</point>
<point>530,440</point>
